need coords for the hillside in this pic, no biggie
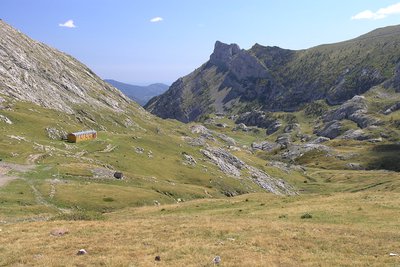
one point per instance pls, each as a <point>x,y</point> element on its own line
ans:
<point>275,79</point>
<point>162,161</point>
<point>316,186</point>
<point>140,94</point>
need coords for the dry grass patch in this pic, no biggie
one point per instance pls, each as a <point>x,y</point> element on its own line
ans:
<point>345,230</point>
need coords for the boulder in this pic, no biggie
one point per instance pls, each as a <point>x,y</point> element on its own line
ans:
<point>320,139</point>
<point>284,140</point>
<point>355,135</point>
<point>265,146</point>
<point>331,129</point>
<point>5,119</point>
<point>199,129</point>
<point>241,127</point>
<point>291,127</point>
<point>118,175</point>
<point>392,109</point>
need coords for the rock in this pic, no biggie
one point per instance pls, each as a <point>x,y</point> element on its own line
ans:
<point>355,135</point>
<point>222,125</point>
<point>241,127</point>
<point>295,151</point>
<point>118,175</point>
<point>199,129</point>
<point>5,119</point>
<point>227,163</point>
<point>284,140</point>
<point>229,140</point>
<point>217,260</point>
<point>81,252</point>
<point>320,139</point>
<point>139,150</point>
<point>56,134</point>
<point>59,232</point>
<point>199,141</point>
<point>189,160</point>
<point>265,146</point>
<point>392,109</point>
<point>273,127</point>
<point>354,166</point>
<point>232,165</point>
<point>291,127</point>
<point>157,258</point>
<point>260,119</point>
<point>331,129</point>
<point>354,109</point>
<point>265,181</point>
<point>375,140</point>
<point>34,72</point>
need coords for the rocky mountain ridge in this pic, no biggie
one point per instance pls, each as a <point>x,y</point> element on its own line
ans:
<point>275,79</point>
<point>34,72</point>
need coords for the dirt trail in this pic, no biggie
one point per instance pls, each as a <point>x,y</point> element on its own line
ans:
<point>5,168</point>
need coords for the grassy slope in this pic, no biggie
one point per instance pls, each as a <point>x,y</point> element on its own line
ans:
<point>353,211</point>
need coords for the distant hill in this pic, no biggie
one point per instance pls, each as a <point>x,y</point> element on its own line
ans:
<point>140,94</point>
<point>235,80</point>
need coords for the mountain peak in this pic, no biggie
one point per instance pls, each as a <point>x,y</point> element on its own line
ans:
<point>223,53</point>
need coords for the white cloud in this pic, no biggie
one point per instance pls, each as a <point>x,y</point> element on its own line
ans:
<point>68,24</point>
<point>379,14</point>
<point>156,19</point>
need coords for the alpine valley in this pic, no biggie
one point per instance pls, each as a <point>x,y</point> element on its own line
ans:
<point>265,157</point>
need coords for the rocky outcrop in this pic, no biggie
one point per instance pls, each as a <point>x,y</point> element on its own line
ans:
<point>260,119</point>
<point>5,119</point>
<point>265,146</point>
<point>392,108</point>
<point>356,110</point>
<point>355,135</point>
<point>331,129</point>
<point>232,165</point>
<point>319,140</point>
<point>31,71</point>
<point>296,151</point>
<point>227,163</point>
<point>56,134</point>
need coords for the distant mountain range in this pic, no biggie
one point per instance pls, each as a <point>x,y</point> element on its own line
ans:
<point>266,78</point>
<point>140,94</point>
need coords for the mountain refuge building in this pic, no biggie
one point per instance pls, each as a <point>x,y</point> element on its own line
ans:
<point>81,136</point>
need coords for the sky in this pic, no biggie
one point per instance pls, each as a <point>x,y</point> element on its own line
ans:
<point>149,41</point>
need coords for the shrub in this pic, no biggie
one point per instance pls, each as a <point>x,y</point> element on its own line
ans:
<point>306,216</point>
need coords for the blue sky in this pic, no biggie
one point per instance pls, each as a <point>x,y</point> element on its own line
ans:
<point>117,38</point>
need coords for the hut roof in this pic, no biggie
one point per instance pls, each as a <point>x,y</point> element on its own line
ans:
<point>84,132</point>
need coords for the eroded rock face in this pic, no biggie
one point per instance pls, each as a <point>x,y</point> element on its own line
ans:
<point>260,119</point>
<point>31,71</point>
<point>227,163</point>
<point>355,109</point>
<point>232,165</point>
